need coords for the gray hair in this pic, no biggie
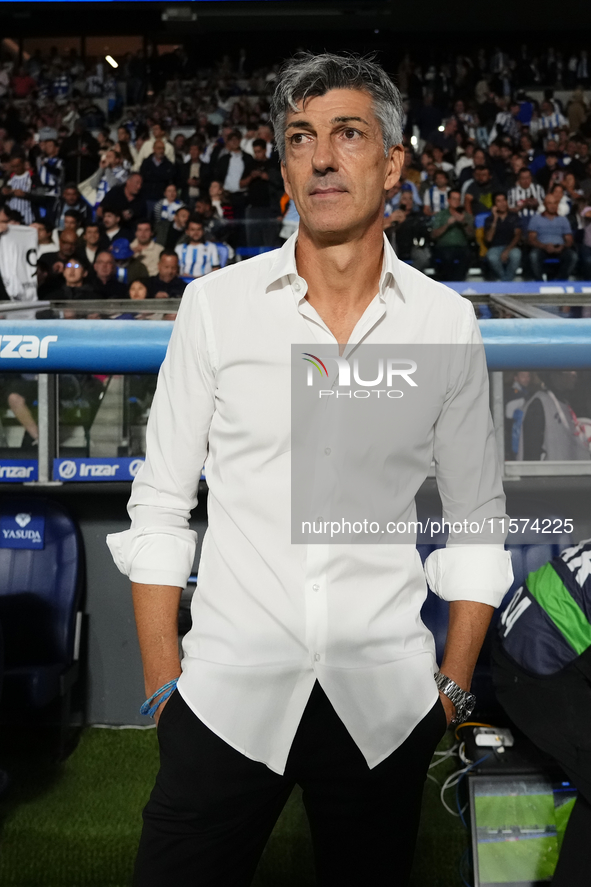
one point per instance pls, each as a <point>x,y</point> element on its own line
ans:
<point>308,75</point>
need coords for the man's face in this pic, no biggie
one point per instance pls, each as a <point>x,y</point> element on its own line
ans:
<point>195,232</point>
<point>168,268</point>
<point>134,184</point>
<point>17,166</point>
<point>92,235</point>
<point>523,378</point>
<point>194,152</point>
<point>74,273</point>
<point>335,169</point>
<point>70,224</point>
<point>181,218</point>
<point>104,266</point>
<point>454,199</point>
<point>551,202</point>
<point>516,163</point>
<point>170,193</point>
<point>525,178</point>
<point>259,153</point>
<point>159,150</point>
<point>501,203</point>
<point>233,143</point>
<point>215,190</point>
<point>110,220</point>
<point>482,176</point>
<point>157,131</point>
<point>68,241</point>
<point>551,161</point>
<point>71,196</point>
<point>143,232</point>
<point>479,158</point>
<point>440,181</point>
<point>265,133</point>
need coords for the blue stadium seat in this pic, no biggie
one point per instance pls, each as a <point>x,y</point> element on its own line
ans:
<point>40,592</point>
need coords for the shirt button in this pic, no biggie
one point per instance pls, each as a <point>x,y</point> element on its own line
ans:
<point>297,287</point>
<point>316,587</point>
<point>316,657</point>
<point>328,451</point>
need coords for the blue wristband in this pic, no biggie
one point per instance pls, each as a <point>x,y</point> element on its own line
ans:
<point>150,707</point>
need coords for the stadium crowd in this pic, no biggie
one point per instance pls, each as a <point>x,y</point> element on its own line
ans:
<point>142,178</point>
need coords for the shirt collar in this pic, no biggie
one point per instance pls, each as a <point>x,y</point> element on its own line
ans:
<point>284,265</point>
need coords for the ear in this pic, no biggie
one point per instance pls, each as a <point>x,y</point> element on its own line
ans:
<point>394,163</point>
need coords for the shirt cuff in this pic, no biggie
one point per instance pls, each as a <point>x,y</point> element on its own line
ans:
<point>153,557</point>
<point>479,573</point>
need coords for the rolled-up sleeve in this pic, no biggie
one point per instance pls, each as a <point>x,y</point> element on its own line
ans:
<point>160,547</point>
<point>474,566</point>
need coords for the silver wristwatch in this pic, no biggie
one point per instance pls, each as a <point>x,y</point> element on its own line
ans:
<point>463,701</point>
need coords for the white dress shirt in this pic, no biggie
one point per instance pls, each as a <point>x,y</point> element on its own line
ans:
<point>270,618</point>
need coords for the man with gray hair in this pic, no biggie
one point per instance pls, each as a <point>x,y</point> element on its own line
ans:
<point>306,664</point>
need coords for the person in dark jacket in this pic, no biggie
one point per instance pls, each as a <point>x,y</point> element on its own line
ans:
<point>542,677</point>
<point>157,172</point>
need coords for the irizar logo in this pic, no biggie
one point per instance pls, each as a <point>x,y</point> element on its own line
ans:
<point>25,346</point>
<point>388,370</point>
<point>67,470</point>
<point>16,472</point>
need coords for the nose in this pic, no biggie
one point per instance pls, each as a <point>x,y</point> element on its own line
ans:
<point>324,158</point>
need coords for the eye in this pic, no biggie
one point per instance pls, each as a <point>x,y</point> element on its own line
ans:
<point>351,134</point>
<point>298,138</point>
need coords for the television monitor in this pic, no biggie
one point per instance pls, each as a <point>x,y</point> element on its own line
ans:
<point>517,825</point>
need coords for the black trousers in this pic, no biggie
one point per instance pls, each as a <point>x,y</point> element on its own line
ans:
<point>212,809</point>
<point>555,713</point>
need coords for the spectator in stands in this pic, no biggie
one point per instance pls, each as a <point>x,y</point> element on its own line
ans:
<point>502,235</point>
<point>112,228</point>
<point>167,207</point>
<point>230,171</point>
<point>446,139</point>
<point>168,234</point>
<point>435,198</point>
<point>526,197</point>
<point>127,266</point>
<point>408,229</point>
<point>262,181</point>
<point>127,200</point>
<point>50,167</point>
<point>550,237</point>
<point>94,242</point>
<point>145,248</point>
<point>105,282</point>
<point>18,189</point>
<point>70,199</point>
<point>198,256</point>
<point>75,285</point>
<point>167,283</point>
<point>80,153</point>
<point>452,231</point>
<point>17,392</point>
<point>214,228</point>
<point>158,135</point>
<point>190,175</point>
<point>550,172</point>
<point>516,164</point>
<point>45,240</point>
<point>111,172</point>
<point>138,289</point>
<point>479,195</point>
<point>157,172</point>
<point>68,243</point>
